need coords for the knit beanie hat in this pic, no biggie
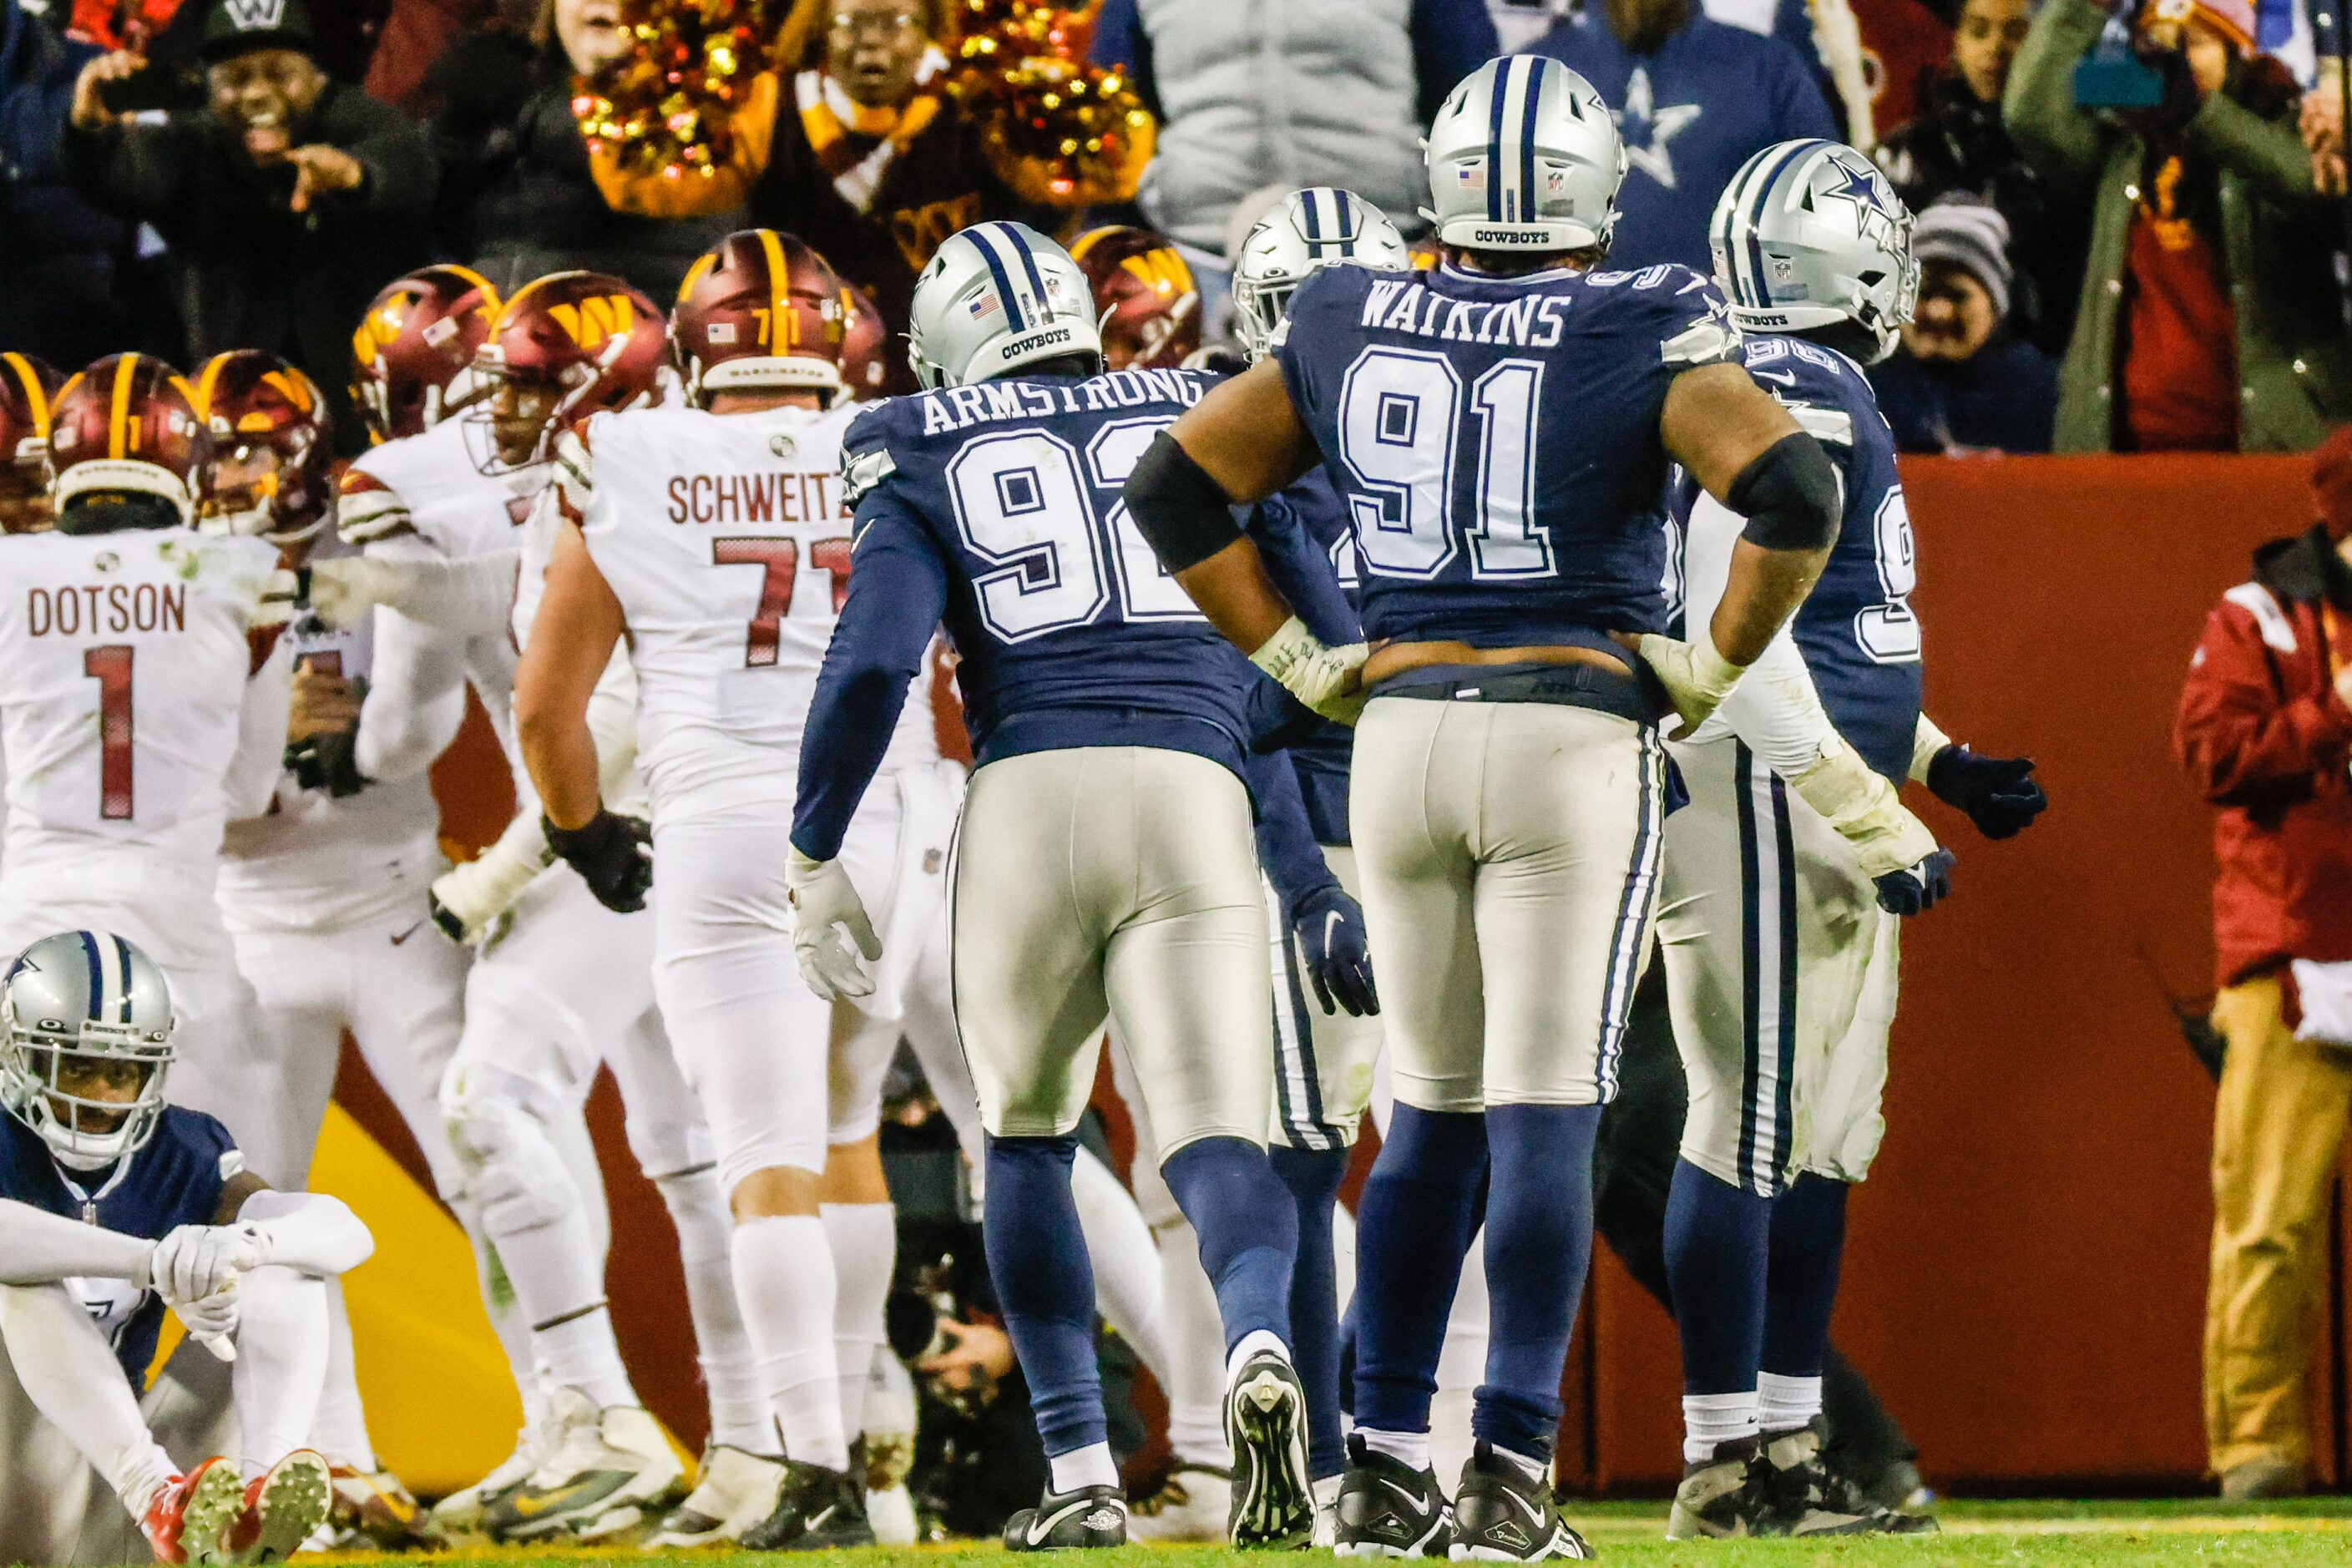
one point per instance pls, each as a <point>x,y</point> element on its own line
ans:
<point>1971,235</point>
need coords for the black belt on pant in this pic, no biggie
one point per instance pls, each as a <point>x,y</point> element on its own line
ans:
<point>1590,686</point>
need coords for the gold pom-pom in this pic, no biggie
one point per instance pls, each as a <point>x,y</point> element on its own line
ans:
<point>667,106</point>
<point>1059,131</point>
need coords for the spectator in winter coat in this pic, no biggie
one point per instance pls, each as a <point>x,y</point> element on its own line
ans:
<point>1957,145</point>
<point>1696,100</point>
<point>287,202</point>
<point>1961,383</point>
<point>2210,319</point>
<point>59,262</point>
<point>518,198</point>
<point>2265,730</point>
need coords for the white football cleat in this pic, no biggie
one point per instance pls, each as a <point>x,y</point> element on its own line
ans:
<point>459,1515</point>
<point>1192,1505</point>
<point>607,1472</point>
<point>734,1492</point>
<point>890,1514</point>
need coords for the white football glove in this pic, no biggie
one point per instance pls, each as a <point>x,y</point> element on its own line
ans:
<point>1865,810</point>
<point>1326,678</point>
<point>1697,677</point>
<point>824,900</point>
<point>470,900</point>
<point>344,588</point>
<point>193,1261</point>
<point>213,1320</point>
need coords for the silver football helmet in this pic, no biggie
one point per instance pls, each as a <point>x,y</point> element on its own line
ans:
<point>995,297</point>
<point>77,1009</point>
<point>1305,230</point>
<point>1523,156</point>
<point>1809,234</point>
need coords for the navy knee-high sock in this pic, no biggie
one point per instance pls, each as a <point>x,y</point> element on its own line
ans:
<point>1046,1286</point>
<point>1800,1290</point>
<point>1419,1209</point>
<point>1715,1249</point>
<point>1249,1231</point>
<point>1538,1247</point>
<point>1313,1177</point>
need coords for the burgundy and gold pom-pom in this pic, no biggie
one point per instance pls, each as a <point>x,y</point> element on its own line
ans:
<point>667,106</point>
<point>1058,130</point>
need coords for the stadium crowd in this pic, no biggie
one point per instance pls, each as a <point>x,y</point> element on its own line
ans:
<point>2129,223</point>
<point>2130,219</point>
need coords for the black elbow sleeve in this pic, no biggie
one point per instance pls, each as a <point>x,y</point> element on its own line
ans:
<point>1181,511</point>
<point>1790,495</point>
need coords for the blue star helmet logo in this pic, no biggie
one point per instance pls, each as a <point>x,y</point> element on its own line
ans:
<point>1860,185</point>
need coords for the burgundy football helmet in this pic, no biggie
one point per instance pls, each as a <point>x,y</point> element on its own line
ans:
<point>271,470</point>
<point>413,355</point>
<point>1145,300</point>
<point>582,343</point>
<point>865,348</point>
<point>759,310</point>
<point>28,388</point>
<point>128,424</point>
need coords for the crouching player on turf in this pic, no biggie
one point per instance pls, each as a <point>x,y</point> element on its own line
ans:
<point>1107,719</point>
<point>113,1205</point>
<point>1786,874</point>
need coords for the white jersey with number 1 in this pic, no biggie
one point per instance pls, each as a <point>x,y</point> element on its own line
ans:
<point>725,539</point>
<point>127,683</point>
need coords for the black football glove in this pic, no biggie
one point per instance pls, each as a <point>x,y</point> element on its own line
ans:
<point>1330,926</point>
<point>1999,794</point>
<point>328,760</point>
<point>612,854</point>
<point>1915,890</point>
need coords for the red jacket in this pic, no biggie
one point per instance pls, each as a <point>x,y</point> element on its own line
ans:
<point>2268,741</point>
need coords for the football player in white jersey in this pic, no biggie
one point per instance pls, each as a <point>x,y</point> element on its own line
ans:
<point>143,704</point>
<point>561,985</point>
<point>715,538</point>
<point>324,890</point>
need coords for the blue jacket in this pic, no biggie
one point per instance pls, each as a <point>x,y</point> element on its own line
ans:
<point>1710,98</point>
<point>57,251</point>
<point>2001,400</point>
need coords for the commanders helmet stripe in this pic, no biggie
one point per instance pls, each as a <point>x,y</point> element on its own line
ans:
<point>978,234</point>
<point>118,414</point>
<point>94,1002</point>
<point>123,954</point>
<point>1500,90</point>
<point>779,284</point>
<point>1538,72</point>
<point>207,380</point>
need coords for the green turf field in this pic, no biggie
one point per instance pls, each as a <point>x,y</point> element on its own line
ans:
<point>2193,1533</point>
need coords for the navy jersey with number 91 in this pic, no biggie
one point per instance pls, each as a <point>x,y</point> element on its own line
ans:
<point>1496,440</point>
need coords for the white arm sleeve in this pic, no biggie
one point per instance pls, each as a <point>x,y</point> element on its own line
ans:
<point>260,756</point>
<point>37,1248</point>
<point>1774,708</point>
<point>1926,741</point>
<point>416,699</point>
<point>309,1233</point>
<point>472,594</point>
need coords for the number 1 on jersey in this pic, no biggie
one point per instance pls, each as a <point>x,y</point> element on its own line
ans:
<point>780,559</point>
<point>111,668</point>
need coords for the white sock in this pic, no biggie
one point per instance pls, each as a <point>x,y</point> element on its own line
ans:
<point>1196,1358</point>
<point>580,1352</point>
<point>1410,1449</point>
<point>1712,1419</point>
<point>739,1414</point>
<point>1251,1343</point>
<point>784,1283</point>
<point>1125,1263</point>
<point>281,1363</point>
<point>1785,1404</point>
<point>506,1314</point>
<point>889,1397</point>
<point>1091,1466</point>
<point>1528,1465</point>
<point>864,1240</point>
<point>341,1430</point>
<point>69,1372</point>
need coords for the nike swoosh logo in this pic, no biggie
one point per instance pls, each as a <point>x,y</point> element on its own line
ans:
<point>1535,1515</point>
<point>531,1507</point>
<point>1414,1500</point>
<point>1782,376</point>
<point>1332,921</point>
<point>1043,1524</point>
<point>412,931</point>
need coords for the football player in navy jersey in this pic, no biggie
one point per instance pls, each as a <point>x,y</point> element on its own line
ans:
<point>114,1205</point>
<point>1108,734</point>
<point>1787,873</point>
<point>1499,428</point>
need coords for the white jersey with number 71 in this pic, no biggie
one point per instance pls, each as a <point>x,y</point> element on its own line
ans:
<point>726,542</point>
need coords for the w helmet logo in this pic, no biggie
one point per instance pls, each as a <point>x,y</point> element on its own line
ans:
<point>254,15</point>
